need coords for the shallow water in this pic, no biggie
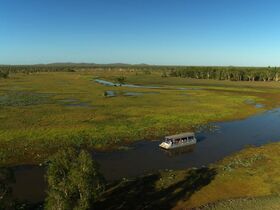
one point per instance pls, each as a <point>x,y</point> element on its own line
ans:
<point>253,102</point>
<point>259,106</point>
<point>145,156</point>
<point>73,103</point>
<point>110,93</point>
<point>190,88</point>
<point>107,83</point>
<point>138,93</point>
<point>25,98</point>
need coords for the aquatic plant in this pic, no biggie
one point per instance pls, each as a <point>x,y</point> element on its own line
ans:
<point>24,98</point>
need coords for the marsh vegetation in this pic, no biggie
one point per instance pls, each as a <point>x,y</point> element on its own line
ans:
<point>36,118</point>
<point>46,108</point>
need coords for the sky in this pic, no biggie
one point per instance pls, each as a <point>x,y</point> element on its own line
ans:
<point>164,32</point>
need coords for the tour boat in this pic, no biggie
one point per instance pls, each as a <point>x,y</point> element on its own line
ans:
<point>179,140</point>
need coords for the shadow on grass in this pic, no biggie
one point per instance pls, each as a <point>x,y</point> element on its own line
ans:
<point>142,194</point>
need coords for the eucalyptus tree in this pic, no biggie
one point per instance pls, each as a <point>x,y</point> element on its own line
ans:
<point>74,181</point>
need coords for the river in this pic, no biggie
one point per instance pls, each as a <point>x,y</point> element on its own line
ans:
<point>145,156</point>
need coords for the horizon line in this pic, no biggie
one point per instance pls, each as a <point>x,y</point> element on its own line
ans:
<point>135,64</point>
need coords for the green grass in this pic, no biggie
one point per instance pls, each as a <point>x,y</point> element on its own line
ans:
<point>252,172</point>
<point>35,121</point>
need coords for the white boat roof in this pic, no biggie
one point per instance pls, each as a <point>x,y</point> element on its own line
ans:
<point>181,135</point>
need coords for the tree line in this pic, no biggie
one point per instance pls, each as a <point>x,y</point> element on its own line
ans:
<point>6,69</point>
<point>229,73</point>
<point>197,72</point>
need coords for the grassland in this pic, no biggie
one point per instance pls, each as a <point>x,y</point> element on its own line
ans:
<point>248,179</point>
<point>253,172</point>
<point>256,203</point>
<point>42,112</point>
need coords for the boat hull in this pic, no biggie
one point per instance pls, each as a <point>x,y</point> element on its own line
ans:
<point>167,146</point>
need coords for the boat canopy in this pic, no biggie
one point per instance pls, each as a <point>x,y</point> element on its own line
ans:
<point>180,136</point>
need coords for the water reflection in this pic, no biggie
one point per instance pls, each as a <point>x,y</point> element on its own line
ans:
<point>200,137</point>
<point>110,93</point>
<point>30,183</point>
<point>179,151</point>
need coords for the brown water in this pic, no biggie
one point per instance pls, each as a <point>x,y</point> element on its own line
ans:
<point>145,156</point>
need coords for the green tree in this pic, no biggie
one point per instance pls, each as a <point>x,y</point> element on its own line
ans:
<point>4,74</point>
<point>74,181</point>
<point>120,80</point>
<point>163,74</point>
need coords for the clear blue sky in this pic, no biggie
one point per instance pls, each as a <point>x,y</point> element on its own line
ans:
<point>182,32</point>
